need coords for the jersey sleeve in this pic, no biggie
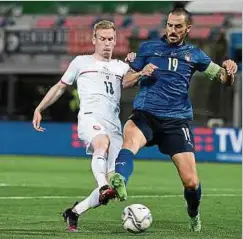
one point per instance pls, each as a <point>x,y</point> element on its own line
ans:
<point>202,60</point>
<point>126,67</point>
<point>139,62</point>
<point>71,73</point>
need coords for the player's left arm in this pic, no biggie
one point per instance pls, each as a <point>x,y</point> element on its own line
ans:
<point>225,73</point>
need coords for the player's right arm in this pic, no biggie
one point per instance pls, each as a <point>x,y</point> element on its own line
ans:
<point>138,66</point>
<point>55,93</point>
<point>132,77</point>
<point>51,96</point>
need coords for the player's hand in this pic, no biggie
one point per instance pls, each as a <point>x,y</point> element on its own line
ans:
<point>130,57</point>
<point>148,69</point>
<point>36,121</point>
<point>230,66</point>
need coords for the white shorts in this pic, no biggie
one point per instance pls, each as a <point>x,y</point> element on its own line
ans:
<point>89,126</point>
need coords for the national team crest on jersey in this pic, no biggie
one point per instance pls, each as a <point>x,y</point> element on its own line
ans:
<point>96,127</point>
<point>187,57</point>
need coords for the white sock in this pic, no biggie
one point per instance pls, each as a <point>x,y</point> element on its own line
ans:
<point>98,165</point>
<point>91,201</point>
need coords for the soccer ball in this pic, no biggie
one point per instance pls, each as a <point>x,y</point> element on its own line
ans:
<point>136,218</point>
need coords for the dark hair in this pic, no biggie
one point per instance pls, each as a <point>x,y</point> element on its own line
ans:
<point>182,11</point>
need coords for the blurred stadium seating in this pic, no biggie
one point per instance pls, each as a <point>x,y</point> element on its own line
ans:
<point>203,24</point>
<point>44,39</point>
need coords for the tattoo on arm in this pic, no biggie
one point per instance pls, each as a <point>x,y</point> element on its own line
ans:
<point>131,78</point>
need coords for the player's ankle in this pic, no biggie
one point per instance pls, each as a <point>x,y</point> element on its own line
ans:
<point>193,213</point>
<point>75,212</point>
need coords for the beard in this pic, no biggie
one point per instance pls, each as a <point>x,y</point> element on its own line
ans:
<point>175,39</point>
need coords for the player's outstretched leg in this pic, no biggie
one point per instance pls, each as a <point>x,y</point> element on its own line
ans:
<point>98,197</point>
<point>193,198</point>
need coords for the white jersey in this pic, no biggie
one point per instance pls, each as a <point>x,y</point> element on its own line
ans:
<point>98,84</point>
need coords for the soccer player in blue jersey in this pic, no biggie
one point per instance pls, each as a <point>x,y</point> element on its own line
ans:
<point>162,108</point>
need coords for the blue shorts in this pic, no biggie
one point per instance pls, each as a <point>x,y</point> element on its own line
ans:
<point>171,135</point>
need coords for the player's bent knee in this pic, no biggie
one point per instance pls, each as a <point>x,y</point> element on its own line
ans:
<point>191,183</point>
<point>101,143</point>
<point>131,141</point>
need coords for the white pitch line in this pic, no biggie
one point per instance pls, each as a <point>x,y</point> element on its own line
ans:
<point>133,196</point>
<point>140,188</point>
<point>14,185</point>
<point>222,189</point>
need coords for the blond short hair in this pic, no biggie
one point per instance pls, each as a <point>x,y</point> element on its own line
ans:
<point>104,24</point>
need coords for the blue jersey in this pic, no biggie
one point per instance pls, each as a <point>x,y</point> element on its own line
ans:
<point>165,93</point>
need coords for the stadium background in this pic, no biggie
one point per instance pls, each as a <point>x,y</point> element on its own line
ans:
<point>37,42</point>
<point>39,39</point>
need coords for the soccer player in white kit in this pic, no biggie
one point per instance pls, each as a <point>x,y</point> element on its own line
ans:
<point>99,80</point>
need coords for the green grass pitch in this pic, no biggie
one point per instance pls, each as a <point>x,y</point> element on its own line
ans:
<point>35,190</point>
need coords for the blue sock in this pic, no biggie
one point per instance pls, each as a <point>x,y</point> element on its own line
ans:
<point>193,198</point>
<point>124,163</point>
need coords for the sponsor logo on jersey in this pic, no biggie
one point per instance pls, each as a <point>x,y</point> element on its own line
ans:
<point>158,53</point>
<point>173,53</point>
<point>106,71</point>
<point>105,68</point>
